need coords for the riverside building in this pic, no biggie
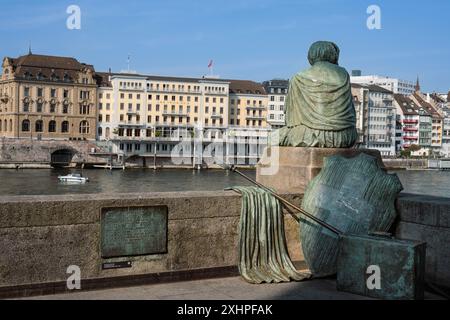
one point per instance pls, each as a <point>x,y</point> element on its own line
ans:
<point>277,90</point>
<point>47,97</point>
<point>395,85</point>
<point>174,120</point>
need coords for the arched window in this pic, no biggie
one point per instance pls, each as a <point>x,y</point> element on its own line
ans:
<point>1,125</point>
<point>84,127</point>
<point>65,126</point>
<point>5,125</point>
<point>52,126</point>
<point>26,125</point>
<point>10,125</point>
<point>39,126</point>
<point>107,132</point>
<point>65,108</point>
<point>100,131</point>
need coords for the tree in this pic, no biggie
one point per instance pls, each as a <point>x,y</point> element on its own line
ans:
<point>414,147</point>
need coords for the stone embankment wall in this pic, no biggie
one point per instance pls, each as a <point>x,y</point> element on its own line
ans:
<point>40,236</point>
<point>405,163</point>
<point>25,151</point>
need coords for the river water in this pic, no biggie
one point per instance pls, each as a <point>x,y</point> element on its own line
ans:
<point>45,181</point>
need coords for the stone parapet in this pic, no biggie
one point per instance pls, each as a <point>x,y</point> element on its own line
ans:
<point>40,236</point>
<point>297,166</point>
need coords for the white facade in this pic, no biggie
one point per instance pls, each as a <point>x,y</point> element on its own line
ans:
<point>446,138</point>
<point>395,85</point>
<point>381,122</point>
<point>277,92</point>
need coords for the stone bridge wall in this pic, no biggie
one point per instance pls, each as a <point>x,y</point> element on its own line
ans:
<point>40,236</point>
<point>27,151</point>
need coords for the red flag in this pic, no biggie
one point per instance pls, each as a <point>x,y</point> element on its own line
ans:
<point>210,63</point>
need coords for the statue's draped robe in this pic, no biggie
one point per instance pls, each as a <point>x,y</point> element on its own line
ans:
<point>263,254</point>
<point>319,109</point>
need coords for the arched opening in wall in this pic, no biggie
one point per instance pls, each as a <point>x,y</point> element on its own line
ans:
<point>61,158</point>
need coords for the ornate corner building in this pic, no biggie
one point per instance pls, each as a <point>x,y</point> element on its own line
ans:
<point>47,98</point>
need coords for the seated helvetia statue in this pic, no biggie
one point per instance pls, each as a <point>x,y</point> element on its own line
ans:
<point>319,106</point>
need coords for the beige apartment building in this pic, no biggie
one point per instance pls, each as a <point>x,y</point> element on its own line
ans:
<point>47,97</point>
<point>248,104</point>
<point>147,116</point>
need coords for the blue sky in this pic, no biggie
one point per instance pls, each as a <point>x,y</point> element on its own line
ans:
<point>247,39</point>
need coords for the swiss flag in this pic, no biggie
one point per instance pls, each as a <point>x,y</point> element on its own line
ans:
<point>210,63</point>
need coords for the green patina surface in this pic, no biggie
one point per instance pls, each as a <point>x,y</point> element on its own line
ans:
<point>353,195</point>
<point>263,254</point>
<point>132,231</point>
<point>319,106</point>
<point>401,266</point>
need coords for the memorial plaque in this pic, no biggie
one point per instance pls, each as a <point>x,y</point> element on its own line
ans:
<point>133,231</point>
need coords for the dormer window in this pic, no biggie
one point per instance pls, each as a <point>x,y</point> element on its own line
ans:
<point>66,77</point>
<point>39,76</point>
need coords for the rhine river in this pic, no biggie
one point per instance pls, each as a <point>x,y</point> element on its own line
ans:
<point>45,181</point>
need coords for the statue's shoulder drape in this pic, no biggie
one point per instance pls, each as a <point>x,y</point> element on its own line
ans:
<point>320,98</point>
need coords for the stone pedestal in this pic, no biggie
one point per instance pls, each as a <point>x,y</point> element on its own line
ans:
<point>297,166</point>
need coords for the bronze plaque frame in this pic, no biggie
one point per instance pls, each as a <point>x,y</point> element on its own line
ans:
<point>133,231</point>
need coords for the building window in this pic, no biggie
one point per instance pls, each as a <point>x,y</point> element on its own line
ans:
<point>26,92</point>
<point>52,107</point>
<point>65,108</point>
<point>53,93</point>
<point>39,106</point>
<point>39,126</point>
<point>26,125</point>
<point>65,126</point>
<point>84,127</point>
<point>52,126</point>
<point>65,93</point>
<point>84,108</point>
<point>26,106</point>
<point>100,131</point>
<point>40,92</point>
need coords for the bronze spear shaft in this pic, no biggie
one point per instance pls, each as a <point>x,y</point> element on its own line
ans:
<point>287,203</point>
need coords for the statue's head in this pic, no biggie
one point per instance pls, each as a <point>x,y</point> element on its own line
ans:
<point>323,51</point>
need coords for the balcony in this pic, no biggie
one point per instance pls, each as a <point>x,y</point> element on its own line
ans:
<point>131,124</point>
<point>406,129</point>
<point>167,90</point>
<point>174,113</point>
<point>130,111</point>
<point>410,138</point>
<point>255,107</point>
<point>216,116</point>
<point>255,117</point>
<point>410,121</point>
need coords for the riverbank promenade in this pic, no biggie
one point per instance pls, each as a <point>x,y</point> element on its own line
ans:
<point>230,288</point>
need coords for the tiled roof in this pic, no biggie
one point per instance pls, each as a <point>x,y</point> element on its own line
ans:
<point>246,87</point>
<point>408,106</point>
<point>35,66</point>
<point>373,87</point>
<point>426,106</point>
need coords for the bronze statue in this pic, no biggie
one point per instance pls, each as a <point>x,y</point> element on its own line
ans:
<point>319,106</point>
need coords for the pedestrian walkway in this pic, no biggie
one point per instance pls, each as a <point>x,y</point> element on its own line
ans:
<point>219,288</point>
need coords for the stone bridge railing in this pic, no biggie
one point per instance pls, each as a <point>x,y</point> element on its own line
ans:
<point>41,236</point>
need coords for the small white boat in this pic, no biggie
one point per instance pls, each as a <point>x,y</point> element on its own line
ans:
<point>73,177</point>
